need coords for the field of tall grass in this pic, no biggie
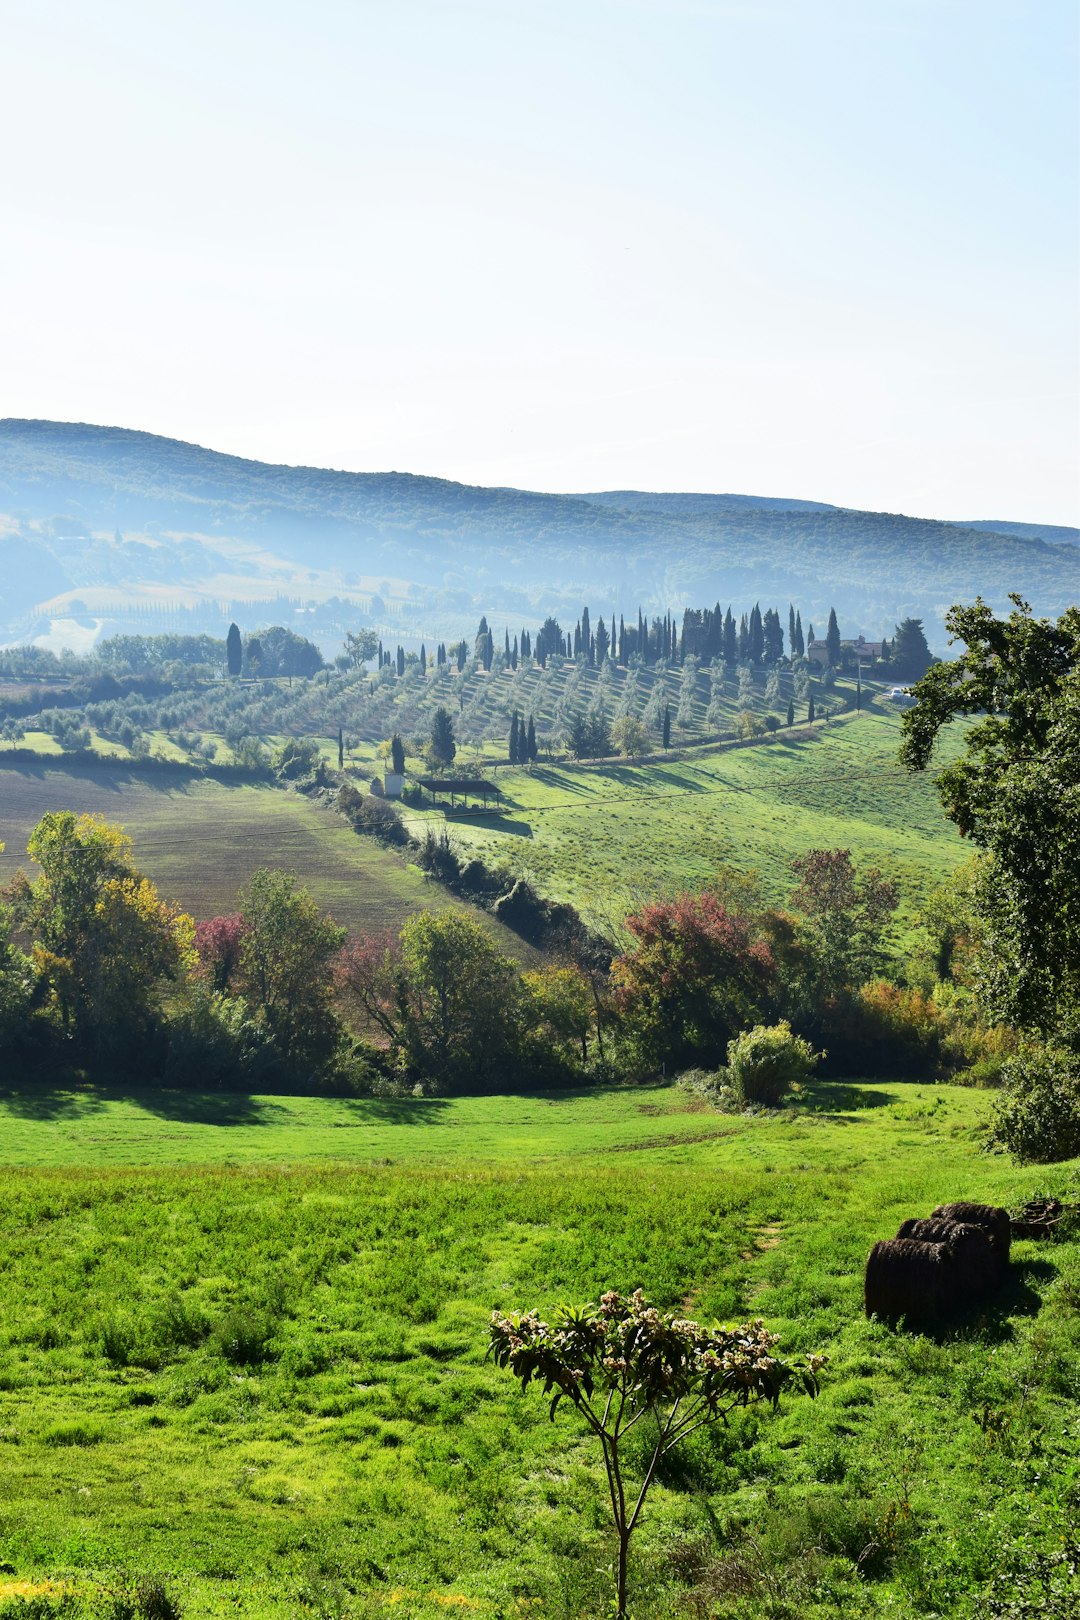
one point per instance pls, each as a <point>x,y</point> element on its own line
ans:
<point>258,1383</point>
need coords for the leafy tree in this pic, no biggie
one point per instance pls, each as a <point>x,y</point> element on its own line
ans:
<point>286,966</point>
<point>1015,792</point>
<point>693,978</point>
<point>442,748</point>
<point>360,646</point>
<point>218,942</point>
<point>397,755</point>
<point>297,757</point>
<point>563,1006</point>
<point>234,653</point>
<point>254,656</point>
<point>16,984</point>
<point>103,942</point>
<point>447,1000</point>
<point>588,737</point>
<point>846,916</point>
<point>910,654</point>
<point>621,1363</point>
<point>628,734</point>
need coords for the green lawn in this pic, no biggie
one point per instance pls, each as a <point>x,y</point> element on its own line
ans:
<point>607,837</point>
<point>265,1379</point>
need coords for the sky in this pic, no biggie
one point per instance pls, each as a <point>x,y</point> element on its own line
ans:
<point>824,249</point>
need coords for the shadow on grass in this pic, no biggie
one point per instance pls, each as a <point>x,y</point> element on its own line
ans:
<point>51,1101</point>
<point>835,1100</point>
<point>992,1320</point>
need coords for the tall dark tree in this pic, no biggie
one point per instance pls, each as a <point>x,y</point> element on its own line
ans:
<point>397,755</point>
<point>790,713</point>
<point>514,654</point>
<point>810,708</point>
<point>340,749</point>
<point>731,639</point>
<point>755,638</point>
<point>401,660</point>
<point>772,637</point>
<point>798,645</point>
<point>586,636</point>
<point>667,725</point>
<point>600,642</point>
<point>530,740</point>
<point>423,659</point>
<point>234,651</point>
<point>832,640</point>
<point>791,629</point>
<point>442,747</point>
<point>514,748</point>
<point>911,656</point>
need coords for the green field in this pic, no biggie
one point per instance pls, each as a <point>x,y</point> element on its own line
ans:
<point>606,837</point>
<point>200,841</point>
<point>265,1380</point>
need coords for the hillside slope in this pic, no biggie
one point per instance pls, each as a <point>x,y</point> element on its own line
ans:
<point>124,530</point>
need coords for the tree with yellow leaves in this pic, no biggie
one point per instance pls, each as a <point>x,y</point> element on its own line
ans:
<point>104,944</point>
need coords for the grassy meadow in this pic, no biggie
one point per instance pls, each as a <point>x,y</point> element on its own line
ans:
<point>200,841</point>
<point>243,1350</point>
<point>607,836</point>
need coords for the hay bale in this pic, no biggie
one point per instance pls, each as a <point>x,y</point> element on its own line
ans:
<point>989,1216</point>
<point>905,1277</point>
<point>977,1264</point>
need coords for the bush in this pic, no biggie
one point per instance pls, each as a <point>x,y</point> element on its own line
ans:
<point>765,1062</point>
<point>376,817</point>
<point>1038,1115</point>
<point>215,1040</point>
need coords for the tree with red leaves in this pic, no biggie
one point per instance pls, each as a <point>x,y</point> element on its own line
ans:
<point>218,943</point>
<point>695,976</point>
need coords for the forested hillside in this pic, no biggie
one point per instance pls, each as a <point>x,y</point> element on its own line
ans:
<point>105,529</point>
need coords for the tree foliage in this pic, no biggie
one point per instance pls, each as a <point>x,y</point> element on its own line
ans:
<point>623,1363</point>
<point>847,916</point>
<point>103,941</point>
<point>286,966</point>
<point>1015,792</point>
<point>695,975</point>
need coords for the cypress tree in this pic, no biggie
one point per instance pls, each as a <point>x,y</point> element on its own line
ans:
<point>790,713</point>
<point>530,740</point>
<point>423,659</point>
<point>514,742</point>
<point>622,639</point>
<point>234,652</point>
<point>731,645</point>
<point>667,725</point>
<point>401,660</point>
<point>798,646</point>
<point>514,654</point>
<point>381,659</point>
<point>832,639</point>
<point>506,643</point>
<point>586,635</point>
<point>755,638</point>
<point>791,638</point>
<point>340,749</point>
<point>397,755</point>
<point>810,710</point>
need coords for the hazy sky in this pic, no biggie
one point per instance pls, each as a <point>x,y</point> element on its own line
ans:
<point>824,248</point>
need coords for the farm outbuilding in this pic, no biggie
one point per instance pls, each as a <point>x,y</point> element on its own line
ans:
<point>459,787</point>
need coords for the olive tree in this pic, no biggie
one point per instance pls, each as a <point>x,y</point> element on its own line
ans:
<point>622,1362</point>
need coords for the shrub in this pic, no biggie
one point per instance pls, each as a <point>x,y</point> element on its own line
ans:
<point>1038,1113</point>
<point>215,1040</point>
<point>765,1062</point>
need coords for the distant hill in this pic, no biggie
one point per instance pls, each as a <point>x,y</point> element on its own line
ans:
<point>1055,534</point>
<point>114,529</point>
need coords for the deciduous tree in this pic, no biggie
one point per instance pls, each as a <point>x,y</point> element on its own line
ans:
<point>286,966</point>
